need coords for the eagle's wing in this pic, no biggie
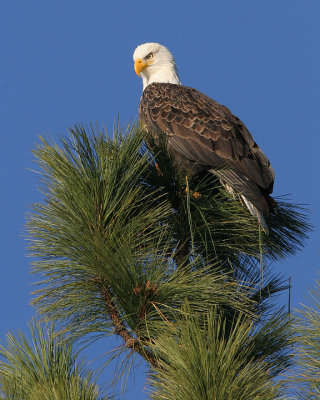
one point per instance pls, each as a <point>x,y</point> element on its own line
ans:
<point>205,132</point>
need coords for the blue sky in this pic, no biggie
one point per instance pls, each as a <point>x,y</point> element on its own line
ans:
<point>64,62</point>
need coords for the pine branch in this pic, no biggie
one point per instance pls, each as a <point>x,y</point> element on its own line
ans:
<point>43,366</point>
<point>306,343</point>
<point>121,330</point>
<point>202,357</point>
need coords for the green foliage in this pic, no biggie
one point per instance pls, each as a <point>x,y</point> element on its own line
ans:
<point>106,246</point>
<point>96,220</point>
<point>123,244</point>
<point>306,378</point>
<point>206,358</point>
<point>43,367</point>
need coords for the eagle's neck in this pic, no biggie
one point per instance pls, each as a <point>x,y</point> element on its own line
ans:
<point>166,73</point>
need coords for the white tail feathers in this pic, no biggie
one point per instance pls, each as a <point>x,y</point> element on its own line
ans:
<point>256,213</point>
<point>236,185</point>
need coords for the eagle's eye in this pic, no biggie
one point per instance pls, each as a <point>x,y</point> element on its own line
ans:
<point>150,55</point>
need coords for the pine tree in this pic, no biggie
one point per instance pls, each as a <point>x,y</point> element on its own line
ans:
<point>306,377</point>
<point>128,246</point>
<point>44,366</point>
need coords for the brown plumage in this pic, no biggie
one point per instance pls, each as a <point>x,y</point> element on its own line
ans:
<point>205,135</point>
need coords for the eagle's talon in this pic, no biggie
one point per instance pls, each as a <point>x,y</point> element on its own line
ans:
<point>196,195</point>
<point>158,169</point>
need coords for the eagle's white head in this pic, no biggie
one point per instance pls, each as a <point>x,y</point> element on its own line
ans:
<point>154,63</point>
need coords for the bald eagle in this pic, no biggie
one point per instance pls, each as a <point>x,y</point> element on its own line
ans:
<point>202,135</point>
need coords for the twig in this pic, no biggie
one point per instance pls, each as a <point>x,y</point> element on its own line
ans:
<point>120,329</point>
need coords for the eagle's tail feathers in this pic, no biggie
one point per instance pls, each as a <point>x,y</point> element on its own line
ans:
<point>256,213</point>
<point>236,184</point>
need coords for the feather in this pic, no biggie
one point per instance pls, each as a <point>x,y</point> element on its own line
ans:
<point>205,133</point>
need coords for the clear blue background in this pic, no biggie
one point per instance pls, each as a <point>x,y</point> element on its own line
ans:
<point>64,62</point>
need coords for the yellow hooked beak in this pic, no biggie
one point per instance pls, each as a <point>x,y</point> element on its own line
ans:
<point>140,65</point>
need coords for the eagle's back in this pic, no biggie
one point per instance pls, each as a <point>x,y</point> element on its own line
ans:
<point>206,133</point>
